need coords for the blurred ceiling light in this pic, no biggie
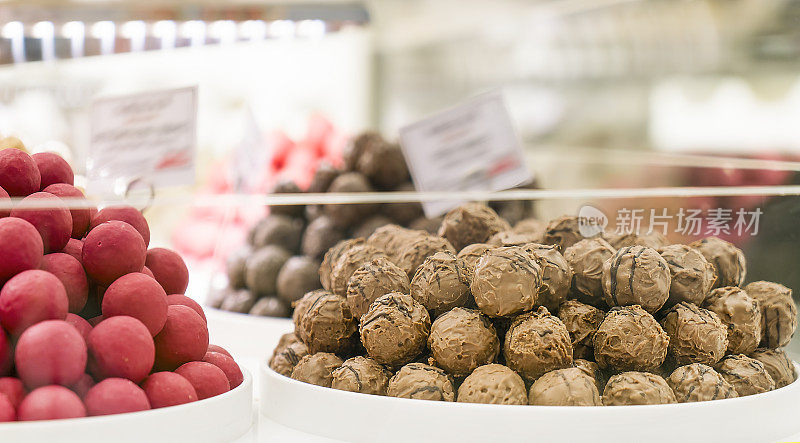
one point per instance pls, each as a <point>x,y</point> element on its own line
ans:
<point>253,30</point>
<point>45,31</point>
<point>311,28</point>
<point>166,31</point>
<point>15,31</point>
<point>106,31</point>
<point>282,28</point>
<point>76,33</point>
<point>223,30</point>
<point>195,31</point>
<point>136,32</point>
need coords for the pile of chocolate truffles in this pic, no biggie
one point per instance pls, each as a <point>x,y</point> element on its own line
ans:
<point>483,312</point>
<point>279,263</point>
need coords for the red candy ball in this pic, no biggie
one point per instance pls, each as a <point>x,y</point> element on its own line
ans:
<point>14,389</point>
<point>6,353</point>
<point>112,250</point>
<point>30,297</point>
<point>207,379</point>
<point>127,214</point>
<point>52,352</point>
<point>80,324</point>
<point>21,247</point>
<point>80,217</point>
<point>53,169</point>
<point>51,403</point>
<point>138,296</point>
<point>7,410</point>
<point>121,347</point>
<point>71,274</point>
<point>115,396</point>
<point>180,299</point>
<point>53,222</point>
<point>169,270</point>
<point>228,366</point>
<point>19,175</point>
<point>74,248</point>
<point>184,338</point>
<point>220,349</point>
<point>146,271</point>
<point>168,389</point>
<point>83,385</point>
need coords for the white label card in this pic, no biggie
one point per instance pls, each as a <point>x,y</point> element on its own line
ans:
<point>149,137</point>
<point>471,147</point>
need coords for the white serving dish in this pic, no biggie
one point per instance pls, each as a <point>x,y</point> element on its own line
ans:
<point>224,418</point>
<point>353,417</point>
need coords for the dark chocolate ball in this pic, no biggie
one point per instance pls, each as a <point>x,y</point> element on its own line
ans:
<point>404,213</point>
<point>279,230</point>
<point>261,273</point>
<point>300,274</point>
<point>321,234</point>
<point>323,177</point>
<point>240,301</point>
<point>286,187</point>
<point>235,267</point>
<point>347,215</point>
<point>270,307</point>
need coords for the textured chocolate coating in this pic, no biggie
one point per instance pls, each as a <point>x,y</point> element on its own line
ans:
<point>270,307</point>
<point>323,177</point>
<point>372,280</point>
<point>556,275</point>
<point>286,340</point>
<point>316,369</point>
<point>636,275</point>
<point>591,369</point>
<point>581,321</point>
<point>320,235</point>
<point>696,335</point>
<point>323,322</point>
<point>563,232</point>
<point>653,239</point>
<point>747,375</point>
<point>361,374</point>
<point>441,283</point>
<point>777,364</point>
<point>471,223</point>
<point>286,357</point>
<point>422,382</point>
<point>279,230</point>
<point>692,275</point>
<point>637,388</point>
<point>463,339</point>
<point>565,387</point>
<point>536,343</point>
<point>345,216</point>
<point>728,260</point>
<point>778,312</point>
<point>394,329</point>
<point>240,300</point>
<point>586,258</point>
<point>699,382</point>
<point>390,239</point>
<point>383,164</point>
<point>740,313</point>
<point>286,187</point>
<point>630,339</point>
<point>356,147</point>
<point>351,259</point>
<point>471,254</point>
<point>513,238</point>
<point>262,268</point>
<point>418,246</point>
<point>332,256</point>
<point>531,226</point>
<point>235,267</point>
<point>299,275</point>
<point>429,225</point>
<point>493,384</point>
<point>403,213</point>
<point>368,226</point>
<point>506,282</point>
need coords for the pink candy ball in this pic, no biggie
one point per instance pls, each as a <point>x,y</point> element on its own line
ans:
<point>71,274</point>
<point>169,270</point>
<point>184,338</point>
<point>53,222</point>
<point>19,175</point>
<point>80,217</point>
<point>127,214</point>
<point>168,389</point>
<point>21,247</point>
<point>228,366</point>
<point>138,296</point>
<point>112,250</point>
<point>52,352</point>
<point>53,169</point>
<point>51,403</point>
<point>207,379</point>
<point>31,297</point>
<point>121,347</point>
<point>180,299</point>
<point>115,396</point>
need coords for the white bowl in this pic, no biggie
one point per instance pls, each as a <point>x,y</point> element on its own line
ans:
<point>356,417</point>
<point>223,418</point>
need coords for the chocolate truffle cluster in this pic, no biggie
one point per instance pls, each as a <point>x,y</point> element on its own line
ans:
<point>486,312</point>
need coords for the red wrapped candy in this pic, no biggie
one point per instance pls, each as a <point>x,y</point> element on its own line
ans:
<point>52,352</point>
<point>169,270</point>
<point>168,389</point>
<point>228,366</point>
<point>115,396</point>
<point>138,296</point>
<point>127,214</point>
<point>184,338</point>
<point>50,403</point>
<point>30,297</point>
<point>70,271</point>
<point>53,222</point>
<point>112,250</point>
<point>80,217</point>
<point>180,299</point>
<point>21,247</point>
<point>207,379</point>
<point>19,175</point>
<point>53,169</point>
<point>121,347</point>
<point>14,389</point>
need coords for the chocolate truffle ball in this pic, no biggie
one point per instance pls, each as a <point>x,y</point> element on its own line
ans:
<point>316,369</point>
<point>324,322</point>
<point>422,382</point>
<point>636,275</point>
<point>417,247</point>
<point>531,226</point>
<point>286,358</point>
<point>394,329</point>
<point>320,235</point>
<point>563,232</point>
<point>512,238</point>
<point>270,307</point>
<point>493,384</point>
<point>637,388</point>
<point>370,225</point>
<point>591,369</point>
<point>356,147</point>
<point>441,283</point>
<point>778,312</point>
<point>298,276</point>
<point>332,256</point>
<point>286,187</point>
<point>740,313</point>
<point>383,164</point>
<point>696,335</point>
<point>506,282</point>
<point>537,343</point>
<point>777,364</point>
<point>346,215</point>
<point>728,260</point>
<point>239,300</point>
<point>556,275</point>
<point>390,239</point>
<point>586,258</point>
<point>262,268</point>
<point>372,280</point>
<point>565,387</point>
<point>630,339</point>
<point>323,177</point>
<point>699,382</point>
<point>235,267</point>
<point>404,213</point>
<point>361,374</point>
<point>652,239</point>
<point>463,339</point>
<point>692,275</point>
<point>471,254</point>
<point>582,321</point>
<point>471,223</point>
<point>278,230</point>
<point>747,375</point>
<point>348,262</point>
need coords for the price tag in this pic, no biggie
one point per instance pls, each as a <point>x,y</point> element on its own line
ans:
<point>471,147</point>
<point>147,138</point>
